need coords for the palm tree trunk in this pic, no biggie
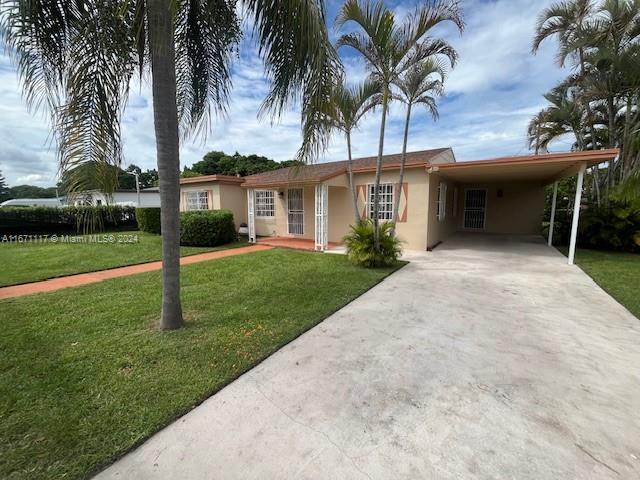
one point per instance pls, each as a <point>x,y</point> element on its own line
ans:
<point>396,200</point>
<point>612,139</point>
<point>376,188</point>
<point>165,117</point>
<point>587,106</point>
<point>352,186</point>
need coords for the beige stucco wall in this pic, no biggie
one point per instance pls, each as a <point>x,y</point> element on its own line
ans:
<point>439,230</point>
<point>228,196</point>
<point>234,198</point>
<point>413,232</point>
<point>519,211</point>
<point>212,187</point>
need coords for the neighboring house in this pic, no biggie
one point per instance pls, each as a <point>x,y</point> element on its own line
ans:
<point>214,192</point>
<point>149,197</point>
<point>439,196</point>
<point>34,202</point>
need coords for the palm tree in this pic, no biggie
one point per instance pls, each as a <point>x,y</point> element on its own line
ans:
<point>417,87</point>
<point>347,107</point>
<point>567,20</point>
<point>78,58</point>
<point>565,115</point>
<point>390,49</point>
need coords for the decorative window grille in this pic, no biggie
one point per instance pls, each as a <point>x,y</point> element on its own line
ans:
<point>198,200</point>
<point>385,201</point>
<point>475,204</point>
<point>264,203</point>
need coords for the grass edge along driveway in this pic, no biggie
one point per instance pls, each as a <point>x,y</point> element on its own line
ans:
<point>32,262</point>
<point>85,376</point>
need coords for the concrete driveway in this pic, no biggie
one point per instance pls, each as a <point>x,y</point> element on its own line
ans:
<point>488,358</point>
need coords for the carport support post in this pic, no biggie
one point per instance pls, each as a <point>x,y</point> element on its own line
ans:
<point>576,214</point>
<point>553,213</point>
<point>251,220</point>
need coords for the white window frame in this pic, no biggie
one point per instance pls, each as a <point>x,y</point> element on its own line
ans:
<point>265,203</point>
<point>441,202</point>
<point>197,200</point>
<point>386,202</point>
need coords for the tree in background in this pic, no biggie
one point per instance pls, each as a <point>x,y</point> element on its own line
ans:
<point>219,163</point>
<point>600,104</point>
<point>78,58</point>
<point>389,49</point>
<point>4,189</point>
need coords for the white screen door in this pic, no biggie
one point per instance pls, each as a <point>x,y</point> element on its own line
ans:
<point>475,205</point>
<point>295,211</point>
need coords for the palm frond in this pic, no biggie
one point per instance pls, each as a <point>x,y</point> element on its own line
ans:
<point>206,37</point>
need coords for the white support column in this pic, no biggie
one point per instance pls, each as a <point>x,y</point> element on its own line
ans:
<point>251,215</point>
<point>322,216</point>
<point>553,213</point>
<point>576,214</point>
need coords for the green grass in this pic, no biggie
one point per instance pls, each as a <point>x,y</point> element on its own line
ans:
<point>30,262</point>
<point>617,273</point>
<point>85,375</point>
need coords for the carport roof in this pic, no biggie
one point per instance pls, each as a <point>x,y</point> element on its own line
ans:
<point>544,168</point>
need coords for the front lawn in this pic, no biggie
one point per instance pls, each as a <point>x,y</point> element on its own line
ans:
<point>85,375</point>
<point>30,262</point>
<point>617,273</point>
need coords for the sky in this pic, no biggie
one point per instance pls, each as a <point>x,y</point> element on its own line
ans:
<point>490,96</point>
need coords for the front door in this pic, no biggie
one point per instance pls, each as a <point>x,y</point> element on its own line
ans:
<point>295,211</point>
<point>475,206</point>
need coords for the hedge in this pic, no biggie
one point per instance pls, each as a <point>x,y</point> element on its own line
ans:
<point>85,219</point>
<point>614,227</point>
<point>148,219</point>
<point>207,228</point>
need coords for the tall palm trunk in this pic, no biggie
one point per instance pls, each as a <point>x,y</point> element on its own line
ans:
<point>396,200</point>
<point>165,117</point>
<point>612,139</point>
<point>352,186</point>
<point>376,188</point>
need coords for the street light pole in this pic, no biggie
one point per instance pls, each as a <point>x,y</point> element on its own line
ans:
<point>137,175</point>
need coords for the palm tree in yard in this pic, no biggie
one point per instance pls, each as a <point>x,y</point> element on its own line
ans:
<point>347,107</point>
<point>78,58</point>
<point>420,85</point>
<point>389,49</point>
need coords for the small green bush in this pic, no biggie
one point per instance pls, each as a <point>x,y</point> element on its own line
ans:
<point>148,219</point>
<point>47,220</point>
<point>207,228</point>
<point>614,227</point>
<point>360,245</point>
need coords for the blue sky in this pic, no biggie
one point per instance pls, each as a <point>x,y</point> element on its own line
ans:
<point>490,96</point>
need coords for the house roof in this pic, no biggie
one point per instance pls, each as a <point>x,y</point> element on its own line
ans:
<point>545,168</point>
<point>320,172</point>
<point>212,178</point>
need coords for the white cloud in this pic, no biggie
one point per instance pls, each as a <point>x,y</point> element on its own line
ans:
<point>495,89</point>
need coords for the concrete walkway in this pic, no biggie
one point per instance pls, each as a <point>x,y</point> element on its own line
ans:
<point>489,358</point>
<point>93,277</point>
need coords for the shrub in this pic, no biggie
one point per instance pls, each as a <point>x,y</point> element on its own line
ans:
<point>360,245</point>
<point>148,219</point>
<point>45,220</point>
<point>616,227</point>
<point>207,228</point>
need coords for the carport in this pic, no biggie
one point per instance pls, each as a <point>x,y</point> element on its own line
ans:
<point>506,195</point>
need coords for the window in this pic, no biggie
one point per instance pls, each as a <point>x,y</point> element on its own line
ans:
<point>385,201</point>
<point>198,200</point>
<point>264,203</point>
<point>441,203</point>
